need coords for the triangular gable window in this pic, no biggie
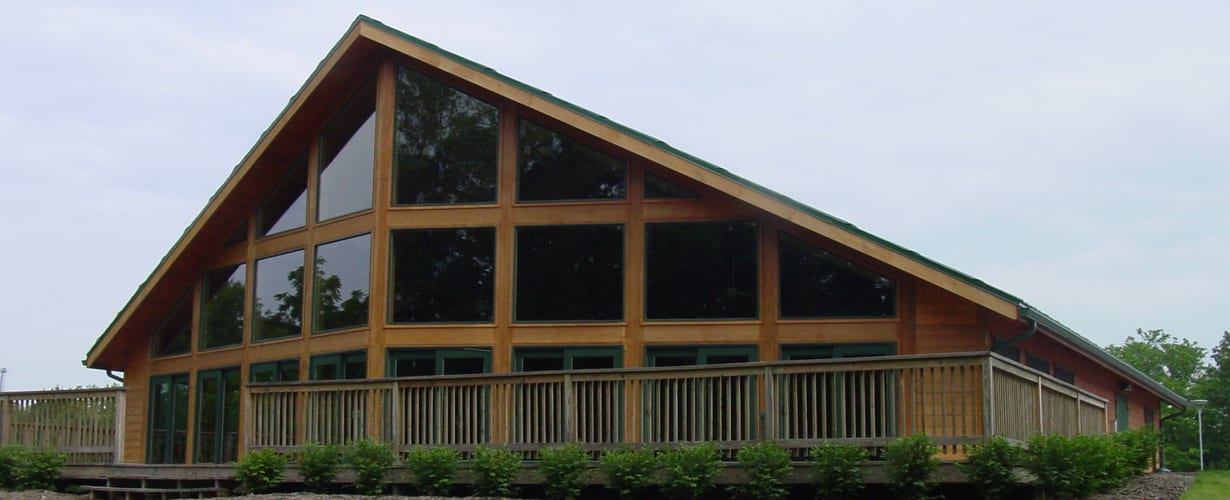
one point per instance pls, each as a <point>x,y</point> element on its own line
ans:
<point>818,284</point>
<point>347,154</point>
<point>554,167</point>
<point>658,188</point>
<point>286,206</point>
<point>445,144</point>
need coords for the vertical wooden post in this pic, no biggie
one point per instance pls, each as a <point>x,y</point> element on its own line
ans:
<point>246,419</point>
<point>395,415</point>
<point>1041,426</point>
<point>769,416</point>
<point>120,407</point>
<point>4,420</point>
<point>570,431</point>
<point>988,396</point>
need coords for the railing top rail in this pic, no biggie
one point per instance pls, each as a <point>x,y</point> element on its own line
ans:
<point>616,374</point>
<point>61,393</point>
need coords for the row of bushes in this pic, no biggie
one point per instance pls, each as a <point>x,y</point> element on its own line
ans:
<point>1065,467</point>
<point>24,468</point>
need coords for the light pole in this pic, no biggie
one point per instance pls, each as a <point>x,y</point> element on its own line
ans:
<point>1199,404</point>
<point>2,372</point>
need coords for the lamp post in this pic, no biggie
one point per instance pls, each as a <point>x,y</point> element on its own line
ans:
<point>1199,404</point>
<point>2,372</point>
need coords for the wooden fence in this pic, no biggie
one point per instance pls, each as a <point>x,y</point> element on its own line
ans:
<point>87,424</point>
<point>957,399</point>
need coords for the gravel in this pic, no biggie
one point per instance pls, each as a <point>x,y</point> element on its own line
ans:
<point>1156,486</point>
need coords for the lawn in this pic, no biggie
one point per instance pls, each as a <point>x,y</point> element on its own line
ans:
<point>1209,485</point>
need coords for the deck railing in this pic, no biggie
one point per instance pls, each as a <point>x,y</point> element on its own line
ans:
<point>957,399</point>
<point>86,424</point>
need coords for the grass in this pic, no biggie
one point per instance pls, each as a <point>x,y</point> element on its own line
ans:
<point>1209,485</point>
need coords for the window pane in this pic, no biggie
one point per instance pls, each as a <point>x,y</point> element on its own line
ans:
<point>657,188</point>
<point>288,371</point>
<point>414,367</point>
<point>222,309</point>
<point>445,143</point>
<point>279,297</point>
<point>541,364</point>
<point>340,283</point>
<point>592,362</point>
<point>443,275</point>
<point>554,167</point>
<point>570,273</point>
<point>174,334</point>
<point>239,236</point>
<point>286,206</point>
<point>704,270</point>
<point>207,417</point>
<point>461,366</point>
<point>347,151</point>
<point>354,366</point>
<point>818,284</point>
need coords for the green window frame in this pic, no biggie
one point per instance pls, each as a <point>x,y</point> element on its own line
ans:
<point>821,399</point>
<point>167,426</point>
<point>216,436</point>
<point>1121,412</point>
<point>704,355</point>
<point>283,370</point>
<point>439,357</point>
<point>350,365</point>
<point>567,356</point>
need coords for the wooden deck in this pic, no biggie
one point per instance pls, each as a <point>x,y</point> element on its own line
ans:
<point>957,399</point>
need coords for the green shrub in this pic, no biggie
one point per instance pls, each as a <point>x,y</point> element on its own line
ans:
<point>991,467</point>
<point>563,471</point>
<point>260,470</point>
<point>1141,447</point>
<point>837,469</point>
<point>371,460</point>
<point>1080,466</point>
<point>689,471</point>
<point>911,465</point>
<point>629,471</point>
<point>11,458</point>
<point>433,469</point>
<point>495,469</point>
<point>318,464</point>
<point>767,466</point>
<point>40,469</point>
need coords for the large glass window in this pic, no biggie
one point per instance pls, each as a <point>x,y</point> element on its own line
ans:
<point>345,365</point>
<point>174,334</point>
<point>701,270</point>
<point>570,273</point>
<point>278,310</point>
<point>817,284</point>
<point>658,188</point>
<point>217,418</point>
<point>537,359</point>
<point>286,206</point>
<point>445,143</point>
<point>428,362</point>
<point>704,355</point>
<point>168,419</point>
<point>286,370</point>
<point>554,167</point>
<point>340,283</point>
<point>222,306</point>
<point>347,153</point>
<point>443,275</point>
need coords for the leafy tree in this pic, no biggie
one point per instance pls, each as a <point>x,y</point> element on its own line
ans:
<point>1215,387</point>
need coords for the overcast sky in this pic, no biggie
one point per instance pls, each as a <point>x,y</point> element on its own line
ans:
<point>1075,154</point>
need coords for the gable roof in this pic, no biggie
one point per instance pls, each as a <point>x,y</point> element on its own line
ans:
<point>367,37</point>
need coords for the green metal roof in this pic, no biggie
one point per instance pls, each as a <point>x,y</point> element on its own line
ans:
<point>1025,310</point>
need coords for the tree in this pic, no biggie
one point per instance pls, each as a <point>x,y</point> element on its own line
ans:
<point>1215,387</point>
<point>1179,364</point>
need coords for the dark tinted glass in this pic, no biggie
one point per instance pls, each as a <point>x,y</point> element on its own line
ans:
<point>443,275</point>
<point>355,366</point>
<point>286,206</point>
<point>445,143</point>
<point>592,362</point>
<point>347,151</point>
<point>657,188</point>
<point>703,270</point>
<point>570,273</point>
<point>555,167</point>
<point>414,367</point>
<point>222,306</point>
<point>675,360</point>
<point>542,364</point>
<point>239,236</point>
<point>340,283</point>
<point>461,366</point>
<point>1037,362</point>
<point>278,311</point>
<point>174,335</point>
<point>818,284</point>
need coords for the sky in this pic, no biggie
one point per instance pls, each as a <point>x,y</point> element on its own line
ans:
<point>1074,154</point>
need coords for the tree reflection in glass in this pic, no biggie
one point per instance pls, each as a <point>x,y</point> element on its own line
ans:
<point>278,296</point>
<point>174,335</point>
<point>817,284</point>
<point>443,275</point>
<point>340,283</point>
<point>445,143</point>
<point>554,167</point>
<point>222,306</point>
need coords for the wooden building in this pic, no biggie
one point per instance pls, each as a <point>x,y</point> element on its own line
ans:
<point>458,224</point>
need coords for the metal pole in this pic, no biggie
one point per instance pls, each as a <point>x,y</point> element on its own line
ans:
<point>2,372</point>
<point>1199,404</point>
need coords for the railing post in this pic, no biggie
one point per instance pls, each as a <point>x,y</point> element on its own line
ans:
<point>395,415</point>
<point>569,428</point>
<point>249,416</point>
<point>120,407</point>
<point>4,420</point>
<point>1041,413</point>
<point>768,416</point>
<point>988,395</point>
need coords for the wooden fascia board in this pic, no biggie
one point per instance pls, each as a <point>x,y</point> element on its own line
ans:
<point>695,172</point>
<point>225,191</point>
